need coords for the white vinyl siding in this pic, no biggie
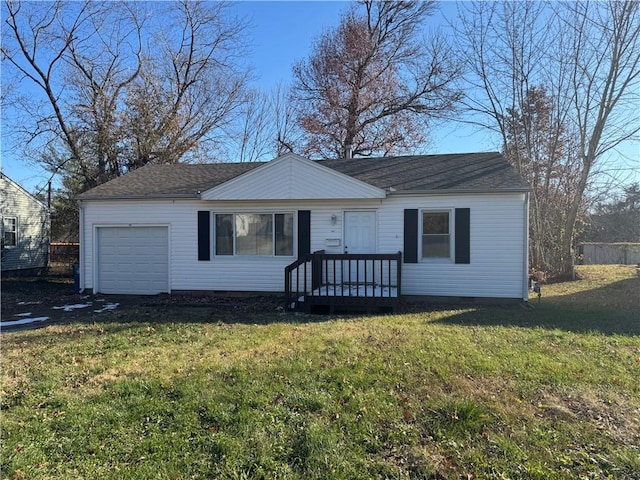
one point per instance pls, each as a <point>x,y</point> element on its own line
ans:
<point>291,177</point>
<point>222,273</point>
<point>497,267</point>
<point>497,246</point>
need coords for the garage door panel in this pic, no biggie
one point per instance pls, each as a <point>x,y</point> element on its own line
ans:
<point>133,260</point>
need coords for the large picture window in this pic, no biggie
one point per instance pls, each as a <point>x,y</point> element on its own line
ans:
<point>264,234</point>
<point>436,235</point>
<point>10,231</point>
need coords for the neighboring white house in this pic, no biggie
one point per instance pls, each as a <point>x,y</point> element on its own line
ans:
<point>24,230</point>
<point>461,222</point>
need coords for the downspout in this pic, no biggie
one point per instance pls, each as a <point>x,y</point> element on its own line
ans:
<point>525,266</point>
<point>81,247</point>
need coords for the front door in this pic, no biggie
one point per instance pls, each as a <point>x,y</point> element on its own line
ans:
<point>359,237</point>
<point>360,232</point>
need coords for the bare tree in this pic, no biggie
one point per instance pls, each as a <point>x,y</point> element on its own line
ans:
<point>371,85</point>
<point>250,138</point>
<point>616,220</point>
<point>38,41</point>
<point>502,45</point>
<point>288,136</point>
<point>603,63</point>
<point>191,85</point>
<point>124,84</point>
<point>101,67</point>
<point>586,56</point>
<point>545,155</point>
<point>265,128</point>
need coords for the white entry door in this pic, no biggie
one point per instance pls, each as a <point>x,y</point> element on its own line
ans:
<point>359,237</point>
<point>360,232</point>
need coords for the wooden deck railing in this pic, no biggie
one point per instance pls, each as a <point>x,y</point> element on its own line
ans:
<point>298,279</point>
<point>329,279</point>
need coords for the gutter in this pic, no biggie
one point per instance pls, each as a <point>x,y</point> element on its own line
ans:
<point>392,192</point>
<point>141,197</point>
<point>389,191</point>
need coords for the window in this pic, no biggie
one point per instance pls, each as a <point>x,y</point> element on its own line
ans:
<point>10,231</point>
<point>224,234</point>
<point>436,235</point>
<point>254,234</point>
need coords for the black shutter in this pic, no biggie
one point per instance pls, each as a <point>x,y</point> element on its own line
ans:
<point>304,233</point>
<point>410,235</point>
<point>462,233</point>
<point>204,235</point>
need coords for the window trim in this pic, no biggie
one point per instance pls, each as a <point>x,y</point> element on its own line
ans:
<point>14,231</point>
<point>450,211</point>
<point>273,233</point>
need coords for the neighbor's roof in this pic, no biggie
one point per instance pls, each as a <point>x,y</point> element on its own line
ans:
<point>450,173</point>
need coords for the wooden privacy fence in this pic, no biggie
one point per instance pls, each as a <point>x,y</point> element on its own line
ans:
<point>62,255</point>
<point>609,253</point>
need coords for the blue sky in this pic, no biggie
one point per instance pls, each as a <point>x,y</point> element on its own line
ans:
<point>279,34</point>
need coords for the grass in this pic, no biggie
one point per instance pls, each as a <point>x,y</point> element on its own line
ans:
<point>549,392</point>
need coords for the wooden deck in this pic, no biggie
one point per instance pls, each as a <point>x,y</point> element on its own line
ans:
<point>361,281</point>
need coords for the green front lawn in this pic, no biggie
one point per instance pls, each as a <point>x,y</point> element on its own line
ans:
<point>471,392</point>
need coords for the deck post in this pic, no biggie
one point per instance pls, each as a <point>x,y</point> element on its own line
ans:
<point>316,269</point>
<point>399,281</point>
<point>287,290</point>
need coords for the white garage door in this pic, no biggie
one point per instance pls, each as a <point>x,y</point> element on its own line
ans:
<point>133,260</point>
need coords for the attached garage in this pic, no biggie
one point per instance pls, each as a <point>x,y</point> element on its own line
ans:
<point>132,260</point>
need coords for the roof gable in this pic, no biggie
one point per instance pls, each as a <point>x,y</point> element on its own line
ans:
<point>292,177</point>
<point>7,184</point>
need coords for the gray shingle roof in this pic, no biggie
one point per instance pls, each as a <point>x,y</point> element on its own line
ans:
<point>426,173</point>
<point>467,172</point>
<point>178,180</point>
